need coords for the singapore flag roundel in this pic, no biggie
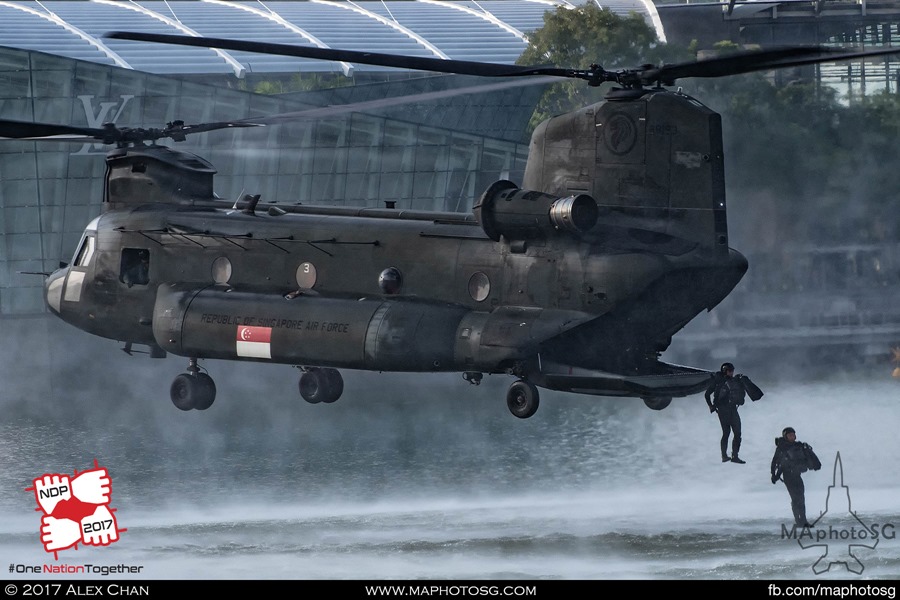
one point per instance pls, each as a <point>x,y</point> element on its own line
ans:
<point>254,342</point>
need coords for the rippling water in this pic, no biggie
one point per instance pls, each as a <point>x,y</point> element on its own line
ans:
<point>428,477</point>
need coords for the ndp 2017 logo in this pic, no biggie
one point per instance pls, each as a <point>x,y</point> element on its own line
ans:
<point>75,509</point>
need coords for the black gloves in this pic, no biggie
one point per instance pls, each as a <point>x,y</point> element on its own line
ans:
<point>712,409</point>
<point>774,479</point>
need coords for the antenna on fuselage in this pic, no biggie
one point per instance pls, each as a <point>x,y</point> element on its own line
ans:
<point>238,199</point>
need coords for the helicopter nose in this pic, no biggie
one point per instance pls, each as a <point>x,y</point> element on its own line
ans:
<point>53,288</point>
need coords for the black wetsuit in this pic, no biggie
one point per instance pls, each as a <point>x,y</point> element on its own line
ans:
<point>714,384</point>
<point>729,395</point>
<point>790,463</point>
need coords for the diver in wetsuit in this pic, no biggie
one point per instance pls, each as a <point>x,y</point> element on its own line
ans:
<point>791,460</point>
<point>723,396</point>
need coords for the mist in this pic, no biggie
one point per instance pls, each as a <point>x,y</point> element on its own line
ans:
<point>427,476</point>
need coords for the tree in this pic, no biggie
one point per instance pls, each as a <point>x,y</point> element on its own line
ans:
<point>580,37</point>
<point>301,82</point>
<point>801,165</point>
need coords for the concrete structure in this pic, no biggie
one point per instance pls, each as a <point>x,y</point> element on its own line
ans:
<point>860,23</point>
<point>438,153</point>
<point>435,153</point>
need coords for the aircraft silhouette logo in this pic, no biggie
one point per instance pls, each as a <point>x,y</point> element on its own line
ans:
<point>75,509</point>
<point>838,531</point>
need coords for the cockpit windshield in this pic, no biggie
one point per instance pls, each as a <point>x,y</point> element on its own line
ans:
<point>85,251</point>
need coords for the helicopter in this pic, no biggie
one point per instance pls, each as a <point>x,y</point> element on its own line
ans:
<point>574,280</point>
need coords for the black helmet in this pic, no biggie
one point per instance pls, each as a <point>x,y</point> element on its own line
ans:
<point>726,367</point>
<point>788,430</point>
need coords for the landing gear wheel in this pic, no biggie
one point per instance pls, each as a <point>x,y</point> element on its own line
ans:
<point>312,386</point>
<point>193,390</point>
<point>657,402</point>
<point>321,385</point>
<point>181,392</point>
<point>522,399</point>
<point>207,391</point>
<point>335,385</point>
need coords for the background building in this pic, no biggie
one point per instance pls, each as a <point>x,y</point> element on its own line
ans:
<point>432,142</point>
<point>820,22</point>
<point>439,153</point>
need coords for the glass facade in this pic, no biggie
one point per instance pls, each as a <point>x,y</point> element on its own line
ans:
<point>50,191</point>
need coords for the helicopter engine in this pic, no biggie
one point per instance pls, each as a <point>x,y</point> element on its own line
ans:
<point>505,210</point>
<point>149,174</point>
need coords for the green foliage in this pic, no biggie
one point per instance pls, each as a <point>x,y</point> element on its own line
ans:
<point>802,165</point>
<point>301,82</point>
<point>269,87</point>
<point>580,37</point>
<point>883,110</point>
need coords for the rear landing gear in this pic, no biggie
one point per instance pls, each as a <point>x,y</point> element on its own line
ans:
<point>522,399</point>
<point>657,402</point>
<point>321,385</point>
<point>193,389</point>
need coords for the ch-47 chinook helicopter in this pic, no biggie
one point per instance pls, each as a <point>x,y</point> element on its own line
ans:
<point>575,280</point>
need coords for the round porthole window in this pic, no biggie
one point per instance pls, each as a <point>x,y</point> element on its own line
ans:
<point>221,270</point>
<point>390,281</point>
<point>479,286</point>
<point>306,275</point>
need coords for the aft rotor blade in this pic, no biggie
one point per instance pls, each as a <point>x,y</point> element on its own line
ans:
<point>384,103</point>
<point>837,55</point>
<point>734,64</point>
<point>438,65</point>
<point>761,60</point>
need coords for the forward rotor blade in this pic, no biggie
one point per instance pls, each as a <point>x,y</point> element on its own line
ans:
<point>51,132</point>
<point>202,127</point>
<point>23,130</point>
<point>26,131</point>
<point>438,65</point>
<point>182,129</point>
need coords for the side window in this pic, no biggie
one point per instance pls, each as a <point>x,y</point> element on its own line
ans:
<point>135,266</point>
<point>85,252</point>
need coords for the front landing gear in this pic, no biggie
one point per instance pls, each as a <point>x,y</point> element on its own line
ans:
<point>321,385</point>
<point>193,389</point>
<point>522,399</point>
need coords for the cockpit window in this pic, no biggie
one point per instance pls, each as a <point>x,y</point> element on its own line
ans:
<point>135,266</point>
<point>85,251</point>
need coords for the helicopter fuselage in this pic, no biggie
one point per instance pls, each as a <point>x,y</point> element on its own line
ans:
<point>577,287</point>
<point>314,286</point>
<point>576,282</point>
